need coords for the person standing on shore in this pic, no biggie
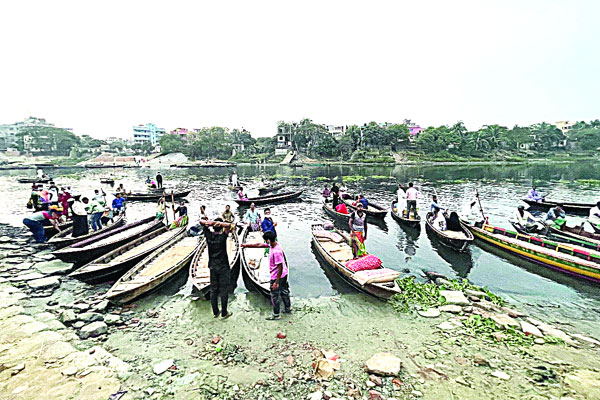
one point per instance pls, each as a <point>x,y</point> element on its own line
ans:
<point>159,180</point>
<point>233,179</point>
<point>279,288</point>
<point>411,200</point>
<point>218,264</point>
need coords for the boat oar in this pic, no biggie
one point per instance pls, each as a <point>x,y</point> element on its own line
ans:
<point>173,204</point>
<point>480,206</point>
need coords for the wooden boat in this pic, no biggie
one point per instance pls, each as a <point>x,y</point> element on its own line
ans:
<point>199,272</point>
<point>270,189</point>
<point>158,267</point>
<point>107,180</point>
<point>567,235</point>
<point>402,220</point>
<point>596,228</point>
<point>458,240</point>
<point>570,208</point>
<point>65,238</point>
<point>255,264</point>
<point>33,180</point>
<point>118,261</point>
<point>372,210</point>
<point>155,196</point>
<point>566,258</point>
<point>274,198</point>
<point>336,255</point>
<point>328,207</point>
<point>50,230</point>
<point>87,250</point>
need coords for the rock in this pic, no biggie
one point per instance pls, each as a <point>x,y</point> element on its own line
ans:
<point>416,393</point>
<point>384,364</point>
<point>512,313</point>
<point>533,321</point>
<point>504,320</point>
<point>530,329</point>
<point>216,339</point>
<point>9,246</point>
<point>375,395</point>
<point>90,317</point>
<point>26,277</point>
<point>449,325</point>
<point>93,330</point>
<point>476,293</point>
<point>455,297</point>
<point>443,282</point>
<point>479,360</point>
<point>24,265</point>
<point>499,336</point>
<point>451,308</point>
<point>78,325</point>
<point>112,319</point>
<point>318,395</point>
<point>43,283</point>
<point>370,384</point>
<point>430,313</point>
<point>586,339</point>
<point>163,366</point>
<point>289,360</point>
<point>548,330</point>
<point>102,306</point>
<point>501,375</point>
<point>467,309</point>
<point>376,380</point>
<point>67,317</point>
<point>81,307</point>
<point>69,371</point>
<point>54,267</point>
<point>17,368</point>
<point>539,341</point>
<point>55,325</point>
<point>586,382</point>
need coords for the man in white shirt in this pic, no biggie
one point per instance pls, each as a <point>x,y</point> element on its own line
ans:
<point>234,179</point>
<point>411,199</point>
<point>594,217</point>
<point>401,206</point>
<point>439,221</point>
<point>524,220</point>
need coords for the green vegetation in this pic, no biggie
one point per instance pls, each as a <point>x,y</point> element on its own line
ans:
<point>353,178</point>
<point>213,142</point>
<point>589,182</point>
<point>478,326</point>
<point>415,293</point>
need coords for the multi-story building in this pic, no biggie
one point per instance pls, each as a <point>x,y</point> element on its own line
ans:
<point>8,132</point>
<point>564,126</point>
<point>181,132</point>
<point>337,131</point>
<point>148,133</point>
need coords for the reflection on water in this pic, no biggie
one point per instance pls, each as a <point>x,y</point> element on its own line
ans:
<point>500,187</point>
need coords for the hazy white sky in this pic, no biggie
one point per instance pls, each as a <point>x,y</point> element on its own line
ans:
<point>101,67</point>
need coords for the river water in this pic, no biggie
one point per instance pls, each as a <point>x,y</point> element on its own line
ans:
<point>545,293</point>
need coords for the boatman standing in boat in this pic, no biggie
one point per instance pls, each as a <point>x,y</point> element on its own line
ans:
<point>411,200</point>
<point>159,180</point>
<point>335,193</point>
<point>534,195</point>
<point>358,229</point>
<point>435,204</point>
<point>279,288</point>
<point>218,264</point>
<point>252,218</point>
<point>234,179</point>
<point>594,217</point>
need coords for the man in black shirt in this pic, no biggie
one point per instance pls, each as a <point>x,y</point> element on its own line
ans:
<point>335,192</point>
<point>218,264</point>
<point>159,180</point>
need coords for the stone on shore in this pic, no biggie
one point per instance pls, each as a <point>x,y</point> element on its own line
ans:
<point>501,375</point>
<point>384,364</point>
<point>163,366</point>
<point>430,313</point>
<point>90,317</point>
<point>451,308</point>
<point>449,325</point>
<point>102,306</point>
<point>112,319</point>
<point>43,283</point>
<point>92,330</point>
<point>476,293</point>
<point>26,277</point>
<point>455,297</point>
<point>530,329</point>
<point>54,267</point>
<point>67,317</point>
<point>504,320</point>
<point>548,330</point>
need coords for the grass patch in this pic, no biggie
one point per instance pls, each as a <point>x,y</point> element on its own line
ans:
<point>352,178</point>
<point>478,326</point>
<point>424,294</point>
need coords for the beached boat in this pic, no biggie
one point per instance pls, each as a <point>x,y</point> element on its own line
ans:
<point>110,181</point>
<point>570,208</point>
<point>155,196</point>
<point>333,247</point>
<point>274,198</point>
<point>403,220</point>
<point>50,230</point>
<point>567,258</point>
<point>255,264</point>
<point>457,238</point>
<point>65,237</point>
<point>90,249</point>
<point>199,272</point>
<point>118,261</point>
<point>154,270</point>
<point>372,210</point>
<point>270,189</point>
<point>33,180</point>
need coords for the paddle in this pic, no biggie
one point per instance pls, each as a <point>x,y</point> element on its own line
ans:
<point>173,205</point>
<point>480,206</point>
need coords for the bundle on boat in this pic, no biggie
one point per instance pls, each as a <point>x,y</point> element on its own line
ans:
<point>98,245</point>
<point>115,263</point>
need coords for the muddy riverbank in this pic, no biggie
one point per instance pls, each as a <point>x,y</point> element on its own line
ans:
<point>61,338</point>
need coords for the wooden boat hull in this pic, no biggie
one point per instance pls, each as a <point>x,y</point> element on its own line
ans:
<point>570,208</point>
<point>32,180</point>
<point>121,294</point>
<point>453,243</point>
<point>155,196</point>
<point>203,286</point>
<point>408,222</point>
<point>373,210</point>
<point>380,291</point>
<point>109,181</point>
<point>83,252</point>
<point>103,268</point>
<point>271,189</point>
<point>563,258</point>
<point>334,214</point>
<point>277,198</point>
<point>50,230</point>
<point>63,239</point>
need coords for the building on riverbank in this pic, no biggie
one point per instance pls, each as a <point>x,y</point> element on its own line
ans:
<point>9,132</point>
<point>148,133</point>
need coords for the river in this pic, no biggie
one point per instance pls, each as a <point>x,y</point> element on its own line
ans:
<point>546,293</point>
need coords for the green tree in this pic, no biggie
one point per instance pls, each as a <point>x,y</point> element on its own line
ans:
<point>171,143</point>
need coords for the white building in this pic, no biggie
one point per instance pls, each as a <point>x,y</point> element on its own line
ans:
<point>337,131</point>
<point>8,132</point>
<point>148,133</point>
